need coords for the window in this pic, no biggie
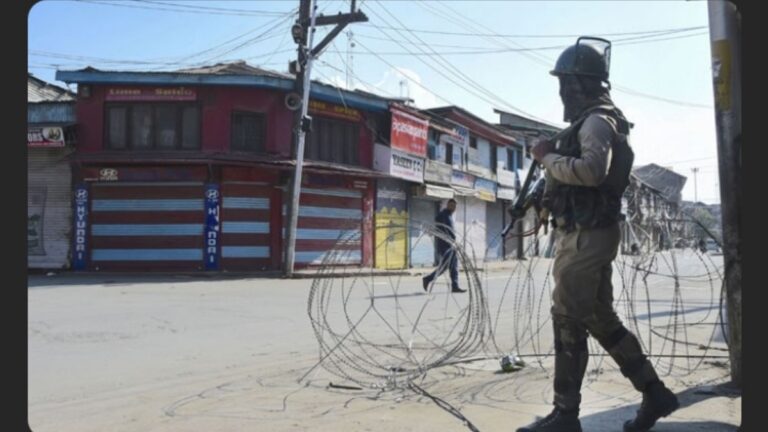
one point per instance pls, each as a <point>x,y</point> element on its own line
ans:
<point>165,127</point>
<point>433,137</point>
<point>333,141</point>
<point>153,126</point>
<point>248,132</point>
<point>494,157</point>
<point>141,126</point>
<point>433,148</point>
<point>190,126</point>
<point>514,161</point>
<point>473,142</point>
<point>117,128</point>
<point>449,154</point>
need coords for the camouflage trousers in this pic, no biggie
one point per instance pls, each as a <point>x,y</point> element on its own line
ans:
<point>582,305</point>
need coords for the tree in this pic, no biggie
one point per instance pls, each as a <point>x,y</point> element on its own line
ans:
<point>705,218</point>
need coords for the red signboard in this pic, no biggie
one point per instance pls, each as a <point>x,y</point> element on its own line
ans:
<point>45,137</point>
<point>330,110</point>
<point>409,133</point>
<point>151,94</point>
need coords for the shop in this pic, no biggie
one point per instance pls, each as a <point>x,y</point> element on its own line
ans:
<point>51,138</point>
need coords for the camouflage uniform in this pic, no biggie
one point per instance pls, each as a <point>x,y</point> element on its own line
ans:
<point>586,176</point>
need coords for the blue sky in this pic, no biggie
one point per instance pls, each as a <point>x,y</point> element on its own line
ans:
<point>674,115</point>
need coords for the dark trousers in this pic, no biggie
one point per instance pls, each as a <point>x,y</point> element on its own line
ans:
<point>447,261</point>
<point>582,305</point>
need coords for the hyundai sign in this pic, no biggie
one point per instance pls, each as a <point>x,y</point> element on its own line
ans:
<point>212,227</point>
<point>80,257</point>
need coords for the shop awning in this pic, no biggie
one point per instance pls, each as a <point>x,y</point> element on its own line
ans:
<point>51,124</point>
<point>234,159</point>
<point>438,191</point>
<point>464,191</point>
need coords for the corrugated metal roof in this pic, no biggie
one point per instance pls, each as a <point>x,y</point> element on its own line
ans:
<point>235,68</point>
<point>668,183</point>
<point>516,120</point>
<point>242,159</point>
<point>51,112</point>
<point>489,129</point>
<point>227,74</point>
<point>41,91</point>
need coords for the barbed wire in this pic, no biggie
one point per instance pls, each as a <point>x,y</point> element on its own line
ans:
<point>385,333</point>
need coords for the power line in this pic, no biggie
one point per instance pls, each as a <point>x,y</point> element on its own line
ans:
<point>47,54</point>
<point>177,61</point>
<point>383,60</point>
<point>146,6</point>
<point>277,49</point>
<point>35,66</point>
<point>489,96</point>
<point>624,42</point>
<point>213,48</point>
<point>427,64</point>
<point>427,89</point>
<point>532,35</point>
<point>493,95</point>
<point>629,91</point>
<point>101,60</point>
<point>547,62</point>
<point>282,40</point>
<point>644,38</point>
<point>657,36</point>
<point>463,22</point>
<point>371,86</point>
<point>249,41</point>
<point>484,50</point>
<point>209,8</point>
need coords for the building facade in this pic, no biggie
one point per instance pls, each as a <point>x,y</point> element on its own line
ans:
<point>189,170</point>
<point>50,139</point>
<point>652,205</point>
<point>481,157</point>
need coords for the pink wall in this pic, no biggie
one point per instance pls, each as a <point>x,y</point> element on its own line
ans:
<point>217,103</point>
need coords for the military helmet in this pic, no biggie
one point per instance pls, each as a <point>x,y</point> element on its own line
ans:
<point>584,59</point>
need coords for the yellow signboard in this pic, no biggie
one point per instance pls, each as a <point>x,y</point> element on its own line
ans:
<point>721,74</point>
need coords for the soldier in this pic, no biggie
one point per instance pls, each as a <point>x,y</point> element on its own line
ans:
<point>587,171</point>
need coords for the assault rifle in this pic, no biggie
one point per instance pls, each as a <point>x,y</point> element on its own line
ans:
<point>530,195</point>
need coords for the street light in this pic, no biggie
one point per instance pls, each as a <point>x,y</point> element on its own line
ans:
<point>297,31</point>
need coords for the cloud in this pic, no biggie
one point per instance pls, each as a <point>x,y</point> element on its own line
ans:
<point>402,82</point>
<point>394,82</point>
<point>408,84</point>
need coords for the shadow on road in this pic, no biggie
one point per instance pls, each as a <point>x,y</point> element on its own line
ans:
<point>614,419</point>
<point>66,279</point>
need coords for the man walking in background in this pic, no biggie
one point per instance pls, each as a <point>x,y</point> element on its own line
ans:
<point>445,250</point>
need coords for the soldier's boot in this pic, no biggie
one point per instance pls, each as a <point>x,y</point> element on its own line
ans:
<point>557,421</point>
<point>571,358</point>
<point>658,400</point>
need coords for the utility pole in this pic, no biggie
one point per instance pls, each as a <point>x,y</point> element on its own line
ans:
<point>302,67</point>
<point>695,188</point>
<point>725,40</point>
<point>520,255</point>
